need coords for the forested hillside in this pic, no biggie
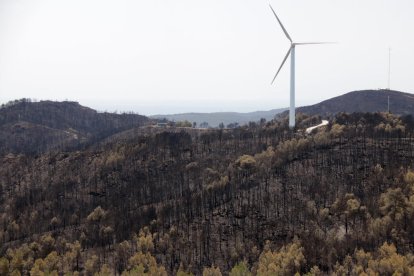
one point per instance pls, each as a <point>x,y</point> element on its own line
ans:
<point>36,127</point>
<point>259,199</point>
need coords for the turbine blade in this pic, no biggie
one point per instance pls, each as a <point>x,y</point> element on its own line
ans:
<point>283,62</point>
<point>310,43</point>
<point>281,25</point>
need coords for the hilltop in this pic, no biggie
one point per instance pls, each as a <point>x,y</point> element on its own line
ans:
<point>363,101</point>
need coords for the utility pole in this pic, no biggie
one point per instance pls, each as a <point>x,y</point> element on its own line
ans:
<point>388,104</point>
<point>389,77</point>
<point>389,68</point>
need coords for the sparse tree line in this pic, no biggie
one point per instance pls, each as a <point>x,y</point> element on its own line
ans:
<point>254,200</point>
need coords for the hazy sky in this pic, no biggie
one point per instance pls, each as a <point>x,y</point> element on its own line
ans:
<point>164,56</point>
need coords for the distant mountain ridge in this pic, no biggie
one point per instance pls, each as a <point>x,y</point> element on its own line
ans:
<point>35,127</point>
<point>215,118</point>
<point>401,103</point>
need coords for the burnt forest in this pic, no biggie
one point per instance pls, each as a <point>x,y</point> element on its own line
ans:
<point>89,193</point>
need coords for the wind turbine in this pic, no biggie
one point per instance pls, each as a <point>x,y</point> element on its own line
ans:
<point>292,69</point>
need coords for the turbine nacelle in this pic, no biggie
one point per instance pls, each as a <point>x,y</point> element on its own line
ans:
<point>292,44</point>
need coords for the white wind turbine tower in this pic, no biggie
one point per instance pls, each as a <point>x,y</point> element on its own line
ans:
<point>292,69</point>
